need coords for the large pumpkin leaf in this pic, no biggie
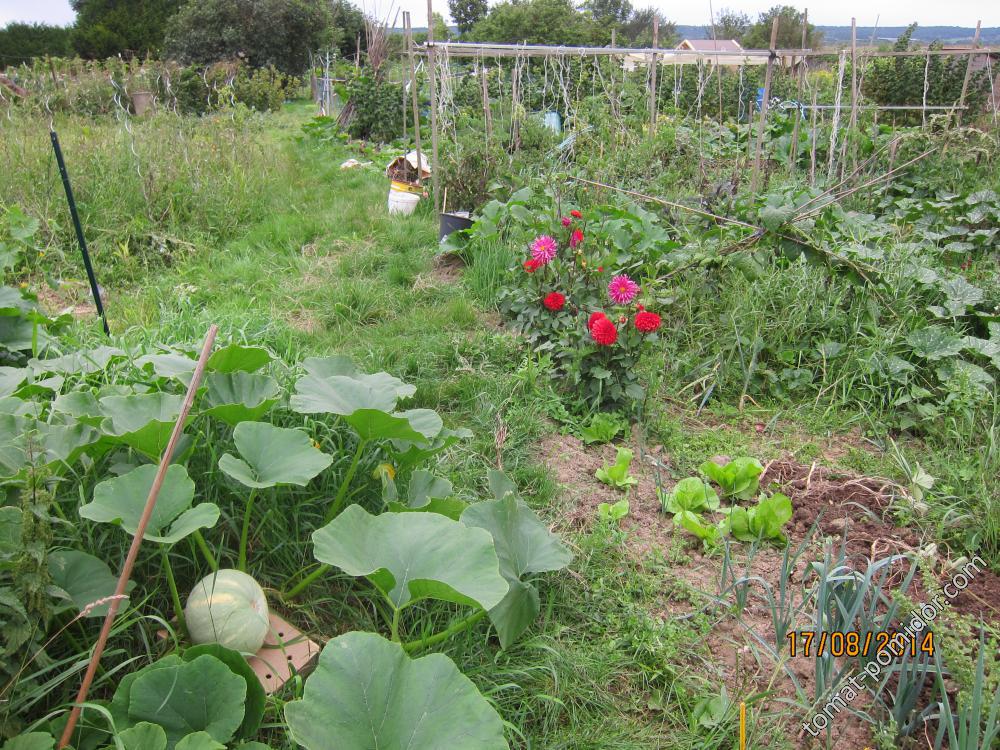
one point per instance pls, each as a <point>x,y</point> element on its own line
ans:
<point>339,394</point>
<point>236,397</point>
<point>81,405</point>
<point>424,493</point>
<point>199,741</point>
<point>121,500</point>
<point>31,741</point>
<point>411,556</point>
<point>235,358</point>
<point>84,578</point>
<point>169,365</point>
<point>202,695</point>
<point>256,700</point>
<point>273,455</point>
<point>82,362</point>
<point>144,736</point>
<point>11,379</point>
<point>143,421</point>
<point>338,365</point>
<point>935,342</point>
<point>366,693</point>
<point>25,441</point>
<point>524,545</point>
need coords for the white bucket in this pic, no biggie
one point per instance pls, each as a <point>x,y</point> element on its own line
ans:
<point>402,202</point>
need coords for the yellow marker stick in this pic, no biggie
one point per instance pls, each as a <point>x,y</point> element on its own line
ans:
<point>743,726</point>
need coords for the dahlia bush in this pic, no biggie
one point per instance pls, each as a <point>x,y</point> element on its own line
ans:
<point>570,302</point>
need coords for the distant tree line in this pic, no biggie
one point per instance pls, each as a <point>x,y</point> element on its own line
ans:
<point>278,33</point>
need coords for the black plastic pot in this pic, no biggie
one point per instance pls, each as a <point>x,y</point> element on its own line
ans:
<point>453,222</point>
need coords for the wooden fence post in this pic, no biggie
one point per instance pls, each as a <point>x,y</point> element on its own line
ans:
<point>793,155</point>
<point>414,100</point>
<point>853,123</point>
<point>968,73</point>
<point>763,110</point>
<point>652,77</point>
<point>432,71</point>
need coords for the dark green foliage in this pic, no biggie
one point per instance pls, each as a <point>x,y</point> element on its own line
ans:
<point>467,13</point>
<point>266,32</point>
<point>107,28</point>
<point>637,30</point>
<point>540,22</point>
<point>614,11</point>
<point>377,114</point>
<point>349,27</point>
<point>729,24</point>
<point>21,42</point>
<point>758,36</point>
<point>900,80</point>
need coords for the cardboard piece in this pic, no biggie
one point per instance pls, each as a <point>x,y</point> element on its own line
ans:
<point>286,652</point>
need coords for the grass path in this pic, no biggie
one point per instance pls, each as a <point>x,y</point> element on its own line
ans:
<point>328,271</point>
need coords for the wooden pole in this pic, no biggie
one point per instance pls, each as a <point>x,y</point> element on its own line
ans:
<point>812,144</point>
<point>763,110</point>
<point>654,65</point>
<point>140,532</point>
<point>793,155</point>
<point>413,95</point>
<point>853,123</point>
<point>968,72</point>
<point>432,72</point>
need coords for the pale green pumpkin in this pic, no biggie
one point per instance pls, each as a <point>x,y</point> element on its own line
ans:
<point>228,608</point>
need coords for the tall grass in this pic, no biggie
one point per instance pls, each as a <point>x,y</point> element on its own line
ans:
<point>150,191</point>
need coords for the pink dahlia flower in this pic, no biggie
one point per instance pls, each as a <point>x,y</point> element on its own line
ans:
<point>543,249</point>
<point>622,289</point>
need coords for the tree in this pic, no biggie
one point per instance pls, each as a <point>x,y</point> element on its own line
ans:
<point>467,13</point>
<point>348,26</point>
<point>21,42</point>
<point>730,24</point>
<point>613,11</point>
<point>758,36</point>
<point>539,22</point>
<point>262,32</point>
<point>638,29</point>
<point>106,28</point>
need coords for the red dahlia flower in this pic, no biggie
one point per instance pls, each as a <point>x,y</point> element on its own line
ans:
<point>604,332</point>
<point>594,317</point>
<point>531,265</point>
<point>576,214</point>
<point>566,221</point>
<point>647,322</point>
<point>576,238</point>
<point>554,301</point>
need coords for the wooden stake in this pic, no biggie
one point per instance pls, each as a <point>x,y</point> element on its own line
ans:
<point>812,145</point>
<point>487,110</point>
<point>763,110</point>
<point>854,100</point>
<point>140,531</point>
<point>432,72</point>
<point>413,95</point>
<point>652,77</point>
<point>793,155</point>
<point>968,72</point>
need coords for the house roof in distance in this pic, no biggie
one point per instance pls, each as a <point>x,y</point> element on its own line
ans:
<point>710,45</point>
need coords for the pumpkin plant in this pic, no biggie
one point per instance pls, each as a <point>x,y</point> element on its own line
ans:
<point>271,456</point>
<point>367,692</point>
<point>120,501</point>
<point>409,557</point>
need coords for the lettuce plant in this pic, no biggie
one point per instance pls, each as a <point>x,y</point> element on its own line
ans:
<point>763,522</point>
<point>617,474</point>
<point>613,512</point>
<point>738,479</point>
<point>603,428</point>
<point>686,500</point>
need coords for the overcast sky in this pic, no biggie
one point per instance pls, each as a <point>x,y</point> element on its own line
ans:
<point>826,12</point>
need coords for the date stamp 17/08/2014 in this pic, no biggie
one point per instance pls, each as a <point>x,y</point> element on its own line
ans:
<point>837,643</point>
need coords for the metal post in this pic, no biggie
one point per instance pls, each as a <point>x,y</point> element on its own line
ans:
<point>94,288</point>
<point>763,110</point>
<point>432,71</point>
